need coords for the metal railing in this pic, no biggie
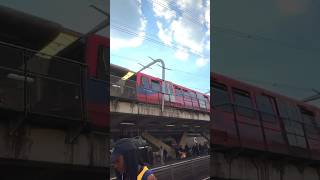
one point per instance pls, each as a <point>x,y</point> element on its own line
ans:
<point>128,90</point>
<point>196,168</point>
<point>33,82</point>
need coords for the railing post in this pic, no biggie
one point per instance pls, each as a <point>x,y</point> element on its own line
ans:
<point>83,88</point>
<point>25,84</point>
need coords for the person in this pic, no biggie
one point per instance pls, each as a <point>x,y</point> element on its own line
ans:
<point>126,161</point>
<point>161,155</point>
<point>186,148</point>
<point>165,154</point>
<point>177,152</point>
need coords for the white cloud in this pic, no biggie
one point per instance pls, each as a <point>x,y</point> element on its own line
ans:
<point>165,35</point>
<point>208,45</point>
<point>182,54</point>
<point>185,30</point>
<point>189,5</point>
<point>188,34</point>
<point>129,14</point>
<point>207,14</point>
<point>200,62</point>
<point>162,9</point>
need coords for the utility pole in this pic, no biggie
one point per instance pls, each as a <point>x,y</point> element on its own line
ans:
<point>154,61</point>
<point>314,97</point>
<point>163,77</point>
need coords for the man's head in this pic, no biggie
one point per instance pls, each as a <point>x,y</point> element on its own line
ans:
<point>118,163</point>
<point>125,157</point>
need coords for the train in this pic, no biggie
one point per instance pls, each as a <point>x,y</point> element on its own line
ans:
<point>253,119</point>
<point>148,89</point>
<point>72,81</point>
<point>49,70</point>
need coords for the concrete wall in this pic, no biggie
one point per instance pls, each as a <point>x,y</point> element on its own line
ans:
<point>50,145</point>
<point>154,110</point>
<point>242,168</point>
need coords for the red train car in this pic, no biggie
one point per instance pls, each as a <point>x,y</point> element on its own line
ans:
<point>149,91</point>
<point>248,117</point>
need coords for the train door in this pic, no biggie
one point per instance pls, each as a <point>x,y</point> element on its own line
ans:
<point>293,128</point>
<point>271,124</point>
<point>187,102</point>
<point>224,129</point>
<point>169,96</point>
<point>97,57</point>
<point>250,130</point>
<point>202,101</point>
<point>156,88</point>
<point>143,87</point>
<point>207,100</point>
<point>194,100</point>
<point>312,131</point>
<point>178,96</point>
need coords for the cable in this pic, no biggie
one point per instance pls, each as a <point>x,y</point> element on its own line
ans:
<point>261,38</point>
<point>168,68</point>
<point>190,17</point>
<point>242,34</point>
<point>148,38</point>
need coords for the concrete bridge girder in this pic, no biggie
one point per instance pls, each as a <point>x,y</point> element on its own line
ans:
<point>155,110</point>
<point>51,145</point>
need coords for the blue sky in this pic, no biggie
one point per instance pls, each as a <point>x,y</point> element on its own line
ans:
<point>177,31</point>
<point>285,59</point>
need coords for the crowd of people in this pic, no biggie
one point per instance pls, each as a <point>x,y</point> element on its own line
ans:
<point>161,156</point>
<point>196,149</point>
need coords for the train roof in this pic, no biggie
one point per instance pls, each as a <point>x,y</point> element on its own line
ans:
<point>255,88</point>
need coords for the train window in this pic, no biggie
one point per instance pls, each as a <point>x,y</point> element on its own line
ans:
<point>169,89</point>
<point>178,91</point>
<point>301,142</point>
<point>288,111</point>
<point>145,82</point>
<point>309,120</point>
<point>192,95</point>
<point>221,97</point>
<point>307,116</point>
<point>186,94</point>
<point>244,104</point>
<point>298,129</point>
<point>288,125</point>
<point>200,96</point>
<point>293,112</point>
<point>265,106</point>
<point>102,67</point>
<point>292,139</point>
<point>155,85</point>
<point>298,141</point>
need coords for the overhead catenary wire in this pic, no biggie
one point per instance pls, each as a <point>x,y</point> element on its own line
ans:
<point>173,46</point>
<point>136,61</point>
<point>238,33</point>
<point>189,16</point>
<point>169,69</point>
